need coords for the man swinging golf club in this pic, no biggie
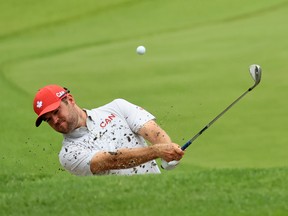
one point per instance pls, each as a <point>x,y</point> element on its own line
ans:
<point>110,139</point>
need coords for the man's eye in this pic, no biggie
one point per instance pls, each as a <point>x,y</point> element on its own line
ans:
<point>56,111</point>
<point>46,119</point>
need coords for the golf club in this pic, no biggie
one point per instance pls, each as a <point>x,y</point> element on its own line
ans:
<point>255,71</point>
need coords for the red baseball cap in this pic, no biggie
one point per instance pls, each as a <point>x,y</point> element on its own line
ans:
<point>48,99</point>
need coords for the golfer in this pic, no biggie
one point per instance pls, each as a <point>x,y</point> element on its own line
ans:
<point>110,139</point>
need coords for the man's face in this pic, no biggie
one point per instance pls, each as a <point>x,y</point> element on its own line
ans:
<point>65,118</point>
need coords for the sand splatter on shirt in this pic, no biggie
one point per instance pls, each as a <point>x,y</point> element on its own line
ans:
<point>109,128</point>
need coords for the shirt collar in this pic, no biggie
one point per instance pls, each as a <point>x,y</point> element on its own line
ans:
<point>90,119</point>
<point>78,132</point>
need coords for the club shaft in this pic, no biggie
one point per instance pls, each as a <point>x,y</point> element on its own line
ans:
<point>215,119</point>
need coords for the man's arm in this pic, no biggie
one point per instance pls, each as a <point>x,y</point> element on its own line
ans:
<point>153,133</point>
<point>162,147</point>
<point>128,158</point>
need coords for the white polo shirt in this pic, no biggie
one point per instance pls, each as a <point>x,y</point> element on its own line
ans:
<point>109,128</point>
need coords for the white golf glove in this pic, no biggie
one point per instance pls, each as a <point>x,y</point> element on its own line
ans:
<point>169,165</point>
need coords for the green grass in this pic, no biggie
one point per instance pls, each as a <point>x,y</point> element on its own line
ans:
<point>194,192</point>
<point>196,64</point>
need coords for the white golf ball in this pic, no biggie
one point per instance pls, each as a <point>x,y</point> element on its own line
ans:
<point>141,50</point>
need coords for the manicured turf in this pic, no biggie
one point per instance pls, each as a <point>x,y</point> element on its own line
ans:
<point>197,192</point>
<point>196,64</point>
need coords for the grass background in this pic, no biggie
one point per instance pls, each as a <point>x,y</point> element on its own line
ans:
<point>196,64</point>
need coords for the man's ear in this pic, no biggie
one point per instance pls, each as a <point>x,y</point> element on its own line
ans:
<point>70,99</point>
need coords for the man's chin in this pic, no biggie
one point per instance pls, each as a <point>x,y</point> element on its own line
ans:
<point>62,128</point>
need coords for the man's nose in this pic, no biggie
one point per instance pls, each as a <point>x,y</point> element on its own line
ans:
<point>55,119</point>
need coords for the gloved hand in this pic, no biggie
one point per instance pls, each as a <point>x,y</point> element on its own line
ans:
<point>169,165</point>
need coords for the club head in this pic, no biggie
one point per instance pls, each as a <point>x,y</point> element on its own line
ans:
<point>255,71</point>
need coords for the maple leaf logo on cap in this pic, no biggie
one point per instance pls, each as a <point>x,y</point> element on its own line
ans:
<point>39,104</point>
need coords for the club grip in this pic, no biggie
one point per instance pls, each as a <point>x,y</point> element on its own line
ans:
<point>186,145</point>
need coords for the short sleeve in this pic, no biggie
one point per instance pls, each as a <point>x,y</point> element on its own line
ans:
<point>134,115</point>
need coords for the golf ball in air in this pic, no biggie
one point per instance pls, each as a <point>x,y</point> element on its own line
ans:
<point>141,50</point>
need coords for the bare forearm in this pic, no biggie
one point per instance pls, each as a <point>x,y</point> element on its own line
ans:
<point>128,158</point>
<point>152,132</point>
<point>122,159</point>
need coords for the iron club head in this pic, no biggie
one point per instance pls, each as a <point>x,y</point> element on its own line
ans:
<point>255,71</point>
